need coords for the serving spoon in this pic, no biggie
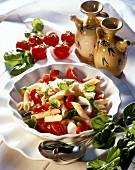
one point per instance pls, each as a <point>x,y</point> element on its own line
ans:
<point>64,153</point>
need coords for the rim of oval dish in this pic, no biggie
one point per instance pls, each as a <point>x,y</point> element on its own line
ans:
<point>36,73</point>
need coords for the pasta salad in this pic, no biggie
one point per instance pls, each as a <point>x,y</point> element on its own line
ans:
<point>62,105</point>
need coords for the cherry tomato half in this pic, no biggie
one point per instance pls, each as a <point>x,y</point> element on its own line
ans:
<point>93,113</point>
<point>81,126</point>
<point>71,74</point>
<point>61,51</point>
<point>39,52</point>
<point>68,37</point>
<point>51,39</point>
<point>58,128</point>
<point>35,96</point>
<point>99,96</point>
<point>23,45</point>
<point>69,99</point>
<point>45,78</point>
<point>41,108</point>
<point>54,74</point>
<point>44,127</point>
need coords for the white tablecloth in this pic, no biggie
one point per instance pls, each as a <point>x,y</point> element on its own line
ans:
<point>15,16</point>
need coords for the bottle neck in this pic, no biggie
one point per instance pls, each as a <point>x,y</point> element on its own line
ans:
<point>109,35</point>
<point>91,21</point>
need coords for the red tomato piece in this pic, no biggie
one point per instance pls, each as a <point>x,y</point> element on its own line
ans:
<point>105,112</point>
<point>85,79</point>
<point>97,77</point>
<point>44,127</point>
<point>38,109</point>
<point>69,99</point>
<point>99,96</point>
<point>23,45</point>
<point>39,52</point>
<point>61,51</point>
<point>68,37</point>
<point>81,126</point>
<point>51,39</point>
<point>35,96</point>
<point>41,108</point>
<point>71,74</point>
<point>58,128</point>
<point>46,78</point>
<point>54,74</point>
<point>94,113</point>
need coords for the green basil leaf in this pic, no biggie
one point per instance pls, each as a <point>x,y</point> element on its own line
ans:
<point>45,93</point>
<point>73,121</point>
<point>95,105</point>
<point>12,63</point>
<point>127,154</point>
<point>129,113</point>
<point>28,58</point>
<point>132,130</point>
<point>37,24</point>
<point>90,99</point>
<point>63,86</point>
<point>26,114</point>
<point>79,123</point>
<point>18,69</point>
<point>69,82</point>
<point>99,121</point>
<point>32,123</point>
<point>71,114</point>
<point>89,87</point>
<point>27,34</point>
<point>113,153</point>
<point>23,89</point>
<point>112,165</point>
<point>105,139</point>
<point>95,165</point>
<point>55,103</point>
<point>13,55</point>
<point>122,142</point>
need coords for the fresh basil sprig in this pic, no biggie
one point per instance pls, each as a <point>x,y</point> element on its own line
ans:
<point>121,152</point>
<point>19,61</point>
<point>26,63</point>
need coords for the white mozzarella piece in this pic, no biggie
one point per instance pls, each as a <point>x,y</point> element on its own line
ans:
<point>91,94</point>
<point>71,128</point>
<point>53,118</point>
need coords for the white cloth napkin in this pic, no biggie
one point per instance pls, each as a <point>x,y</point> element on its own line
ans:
<point>126,9</point>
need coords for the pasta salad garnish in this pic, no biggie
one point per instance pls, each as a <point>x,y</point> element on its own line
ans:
<point>62,105</point>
